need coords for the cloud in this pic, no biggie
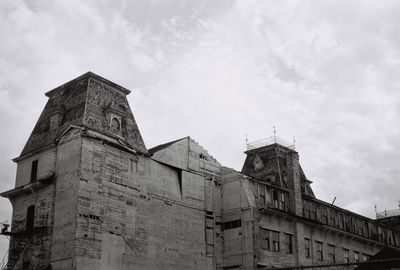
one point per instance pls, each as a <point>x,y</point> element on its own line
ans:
<point>323,71</point>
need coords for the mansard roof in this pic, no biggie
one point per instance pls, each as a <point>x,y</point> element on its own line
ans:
<point>84,101</point>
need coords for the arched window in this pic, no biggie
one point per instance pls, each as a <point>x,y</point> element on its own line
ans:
<point>30,218</point>
<point>115,124</point>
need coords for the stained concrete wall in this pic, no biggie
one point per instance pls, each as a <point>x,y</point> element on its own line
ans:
<point>66,197</point>
<point>37,250</point>
<point>46,167</point>
<point>135,212</point>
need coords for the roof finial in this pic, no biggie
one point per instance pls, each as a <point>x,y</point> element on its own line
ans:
<point>294,142</point>
<point>274,134</point>
<point>247,140</point>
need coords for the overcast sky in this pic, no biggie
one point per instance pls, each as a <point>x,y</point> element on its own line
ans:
<point>326,72</point>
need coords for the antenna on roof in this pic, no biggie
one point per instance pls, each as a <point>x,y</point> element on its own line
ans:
<point>294,142</point>
<point>274,134</point>
<point>334,200</point>
<point>247,140</point>
<point>376,209</point>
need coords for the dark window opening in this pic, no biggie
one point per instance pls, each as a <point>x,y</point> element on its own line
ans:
<point>325,215</point>
<point>275,241</point>
<point>26,265</point>
<point>356,256</point>
<point>30,218</point>
<point>34,170</point>
<point>331,253</point>
<point>346,256</point>
<point>265,239</point>
<point>307,246</point>
<point>232,224</point>
<point>320,256</point>
<point>289,243</point>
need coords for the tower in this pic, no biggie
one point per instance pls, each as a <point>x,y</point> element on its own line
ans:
<point>81,120</point>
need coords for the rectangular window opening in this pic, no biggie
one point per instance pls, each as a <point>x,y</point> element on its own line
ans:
<point>34,170</point>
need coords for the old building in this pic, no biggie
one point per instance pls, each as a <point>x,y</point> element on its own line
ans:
<point>90,195</point>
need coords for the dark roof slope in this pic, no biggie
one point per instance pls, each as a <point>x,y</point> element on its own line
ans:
<point>164,145</point>
<point>84,101</point>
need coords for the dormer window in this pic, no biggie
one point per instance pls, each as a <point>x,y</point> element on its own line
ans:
<point>115,124</point>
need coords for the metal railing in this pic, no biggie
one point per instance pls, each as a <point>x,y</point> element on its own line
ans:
<point>270,141</point>
<point>388,213</point>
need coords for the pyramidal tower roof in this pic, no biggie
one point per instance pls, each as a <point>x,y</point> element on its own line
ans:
<point>86,101</point>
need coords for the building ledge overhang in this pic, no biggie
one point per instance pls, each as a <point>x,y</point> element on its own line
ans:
<point>28,188</point>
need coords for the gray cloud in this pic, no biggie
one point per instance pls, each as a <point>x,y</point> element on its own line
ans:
<point>324,71</point>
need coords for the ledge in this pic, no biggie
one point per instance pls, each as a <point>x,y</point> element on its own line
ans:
<point>28,188</point>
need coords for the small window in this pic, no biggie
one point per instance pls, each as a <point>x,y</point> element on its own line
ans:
<point>356,256</point>
<point>275,197</point>
<point>232,224</point>
<point>265,239</point>
<point>365,257</point>
<point>307,246</point>
<point>30,218</point>
<point>320,256</point>
<point>346,256</point>
<point>115,124</point>
<point>332,217</point>
<point>331,253</point>
<point>313,211</point>
<point>262,194</point>
<point>289,243</point>
<point>34,170</point>
<point>366,229</point>
<point>380,233</point>
<point>325,215</point>
<point>275,241</point>
<point>341,220</point>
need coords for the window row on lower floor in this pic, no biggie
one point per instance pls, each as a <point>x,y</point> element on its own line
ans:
<point>332,253</point>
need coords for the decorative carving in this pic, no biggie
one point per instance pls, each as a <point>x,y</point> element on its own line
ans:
<point>258,163</point>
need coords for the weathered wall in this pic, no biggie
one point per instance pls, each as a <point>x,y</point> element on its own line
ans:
<point>134,212</point>
<point>66,195</point>
<point>37,249</point>
<point>238,240</point>
<point>46,167</point>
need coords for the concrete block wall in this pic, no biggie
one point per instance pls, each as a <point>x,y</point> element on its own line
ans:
<point>147,221</point>
<point>65,203</point>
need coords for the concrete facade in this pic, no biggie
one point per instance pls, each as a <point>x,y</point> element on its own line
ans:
<point>90,195</point>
